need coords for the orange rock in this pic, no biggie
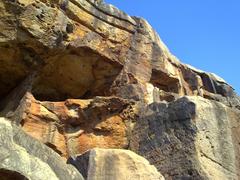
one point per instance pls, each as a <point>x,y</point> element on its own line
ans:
<point>75,126</point>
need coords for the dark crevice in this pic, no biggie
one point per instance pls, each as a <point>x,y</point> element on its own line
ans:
<point>52,146</point>
<point>11,101</point>
<point>11,175</point>
<point>17,63</point>
<point>164,82</point>
<point>208,83</point>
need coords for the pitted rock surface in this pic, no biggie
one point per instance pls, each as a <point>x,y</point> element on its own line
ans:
<point>81,74</point>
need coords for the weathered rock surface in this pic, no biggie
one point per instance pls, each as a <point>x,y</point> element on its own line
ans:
<point>23,157</point>
<point>75,126</point>
<point>81,74</point>
<point>111,52</point>
<point>117,164</point>
<point>191,137</point>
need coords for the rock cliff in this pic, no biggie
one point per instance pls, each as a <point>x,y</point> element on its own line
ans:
<point>78,75</point>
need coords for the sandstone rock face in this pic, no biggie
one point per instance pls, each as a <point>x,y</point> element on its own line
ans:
<point>74,126</point>
<point>81,74</point>
<point>112,53</point>
<point>99,164</point>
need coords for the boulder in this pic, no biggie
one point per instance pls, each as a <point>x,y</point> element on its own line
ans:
<point>23,157</point>
<point>117,164</point>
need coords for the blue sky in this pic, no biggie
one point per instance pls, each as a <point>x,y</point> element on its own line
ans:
<point>203,33</point>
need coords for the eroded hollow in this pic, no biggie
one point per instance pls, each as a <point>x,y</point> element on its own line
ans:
<point>11,175</point>
<point>12,68</point>
<point>17,61</point>
<point>164,82</point>
<point>79,73</point>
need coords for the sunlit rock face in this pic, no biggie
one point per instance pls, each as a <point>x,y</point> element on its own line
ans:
<point>75,126</point>
<point>191,137</point>
<point>81,74</point>
<point>114,164</point>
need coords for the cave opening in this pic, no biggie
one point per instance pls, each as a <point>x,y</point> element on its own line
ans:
<point>164,82</point>
<point>79,74</point>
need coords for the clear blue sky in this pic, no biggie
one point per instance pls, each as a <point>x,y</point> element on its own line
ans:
<point>203,33</point>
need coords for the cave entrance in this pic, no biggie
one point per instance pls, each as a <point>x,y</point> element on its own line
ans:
<point>11,175</point>
<point>80,74</point>
<point>164,82</point>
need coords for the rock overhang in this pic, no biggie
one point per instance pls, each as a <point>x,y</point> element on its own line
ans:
<point>56,61</point>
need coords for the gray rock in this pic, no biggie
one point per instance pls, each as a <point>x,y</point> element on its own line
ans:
<point>28,158</point>
<point>190,138</point>
<point>117,164</point>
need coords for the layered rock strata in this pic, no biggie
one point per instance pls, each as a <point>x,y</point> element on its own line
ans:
<point>81,74</point>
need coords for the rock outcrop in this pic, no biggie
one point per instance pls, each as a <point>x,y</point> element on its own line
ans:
<point>81,74</point>
<point>100,164</point>
<point>23,157</point>
<point>75,126</point>
<point>191,137</point>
